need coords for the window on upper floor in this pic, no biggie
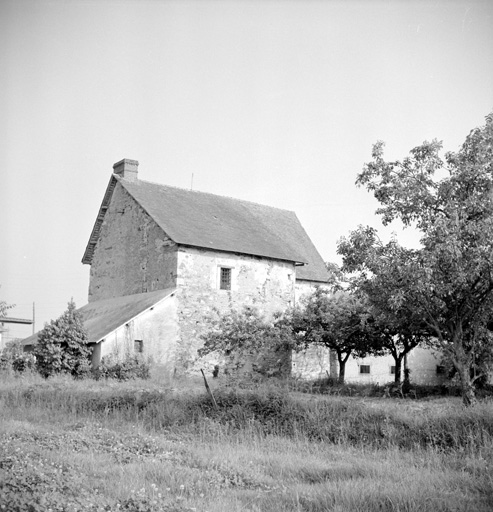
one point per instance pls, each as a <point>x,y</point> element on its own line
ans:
<point>225,278</point>
<point>392,370</point>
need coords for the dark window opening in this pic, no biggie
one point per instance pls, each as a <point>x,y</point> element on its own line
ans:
<point>440,369</point>
<point>392,370</point>
<point>364,368</point>
<point>225,279</point>
<point>138,346</point>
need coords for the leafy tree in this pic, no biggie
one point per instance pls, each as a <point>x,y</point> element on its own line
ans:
<point>62,345</point>
<point>396,328</point>
<point>393,335</point>
<point>241,335</point>
<point>337,279</point>
<point>4,307</point>
<point>448,282</point>
<point>336,320</point>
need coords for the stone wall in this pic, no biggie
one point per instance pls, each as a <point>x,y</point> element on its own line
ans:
<point>133,254</point>
<point>312,363</point>
<point>265,284</point>
<point>304,288</point>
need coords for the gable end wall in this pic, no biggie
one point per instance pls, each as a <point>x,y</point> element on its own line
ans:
<point>133,254</point>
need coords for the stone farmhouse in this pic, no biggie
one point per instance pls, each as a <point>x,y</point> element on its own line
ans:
<point>163,257</point>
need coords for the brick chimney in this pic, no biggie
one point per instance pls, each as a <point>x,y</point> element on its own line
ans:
<point>127,169</point>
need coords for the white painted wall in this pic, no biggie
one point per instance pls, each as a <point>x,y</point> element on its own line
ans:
<point>315,362</point>
<point>422,363</point>
<point>157,328</point>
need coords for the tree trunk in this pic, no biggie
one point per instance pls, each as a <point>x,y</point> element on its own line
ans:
<point>467,387</point>
<point>342,359</point>
<point>406,386</point>
<point>462,360</point>
<point>398,364</point>
<point>342,371</point>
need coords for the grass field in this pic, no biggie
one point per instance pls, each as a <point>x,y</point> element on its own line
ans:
<point>146,446</point>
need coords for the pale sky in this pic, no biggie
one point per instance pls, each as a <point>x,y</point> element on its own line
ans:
<point>277,102</point>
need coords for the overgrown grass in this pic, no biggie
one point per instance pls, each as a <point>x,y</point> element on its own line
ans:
<point>149,445</point>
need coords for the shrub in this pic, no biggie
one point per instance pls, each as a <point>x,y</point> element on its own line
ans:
<point>245,336</point>
<point>130,368</point>
<point>24,362</point>
<point>14,358</point>
<point>62,345</point>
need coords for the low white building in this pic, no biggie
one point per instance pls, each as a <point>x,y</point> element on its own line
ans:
<point>424,365</point>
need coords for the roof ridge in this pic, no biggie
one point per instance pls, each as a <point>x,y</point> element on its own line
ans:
<point>204,193</point>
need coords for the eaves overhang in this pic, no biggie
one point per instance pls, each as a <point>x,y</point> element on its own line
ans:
<point>93,239</point>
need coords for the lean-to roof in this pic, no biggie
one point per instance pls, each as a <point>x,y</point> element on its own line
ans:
<point>102,317</point>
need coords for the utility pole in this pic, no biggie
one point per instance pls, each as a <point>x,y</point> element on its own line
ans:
<point>34,315</point>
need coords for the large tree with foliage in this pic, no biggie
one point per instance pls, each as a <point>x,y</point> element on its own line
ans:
<point>62,345</point>
<point>333,319</point>
<point>396,326</point>
<point>448,282</point>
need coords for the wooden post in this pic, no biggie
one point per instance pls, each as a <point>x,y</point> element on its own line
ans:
<point>209,390</point>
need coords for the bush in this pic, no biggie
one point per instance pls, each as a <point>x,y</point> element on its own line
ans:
<point>62,345</point>
<point>130,368</point>
<point>24,362</point>
<point>245,339</point>
<point>14,358</point>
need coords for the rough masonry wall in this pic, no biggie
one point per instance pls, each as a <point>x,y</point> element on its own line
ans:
<point>303,288</point>
<point>266,284</point>
<point>133,254</point>
<point>312,363</point>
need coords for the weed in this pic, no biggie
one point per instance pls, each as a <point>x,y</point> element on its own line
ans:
<point>78,445</point>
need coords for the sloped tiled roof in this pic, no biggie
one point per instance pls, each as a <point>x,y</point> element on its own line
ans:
<point>104,316</point>
<point>225,224</point>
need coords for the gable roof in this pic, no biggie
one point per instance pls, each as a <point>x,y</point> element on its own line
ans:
<point>200,219</point>
<point>104,316</point>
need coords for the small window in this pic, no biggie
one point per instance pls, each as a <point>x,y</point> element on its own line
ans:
<point>225,279</point>
<point>440,369</point>
<point>392,370</point>
<point>138,346</point>
<point>364,368</point>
